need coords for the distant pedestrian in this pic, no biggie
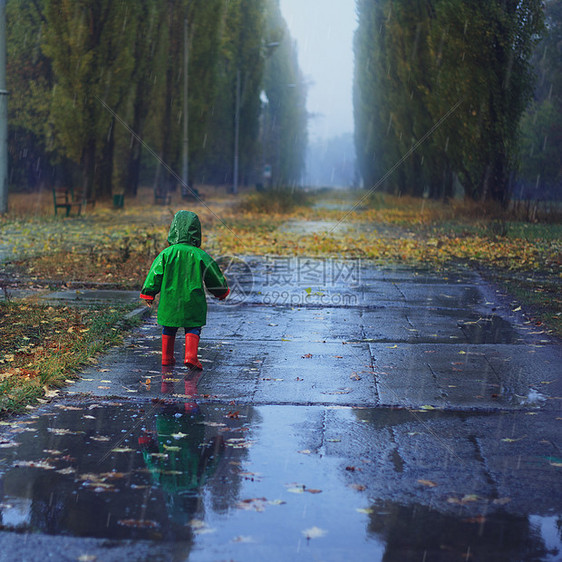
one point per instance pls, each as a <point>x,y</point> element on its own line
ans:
<point>180,274</point>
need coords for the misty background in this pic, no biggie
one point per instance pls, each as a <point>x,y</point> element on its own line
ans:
<point>323,32</point>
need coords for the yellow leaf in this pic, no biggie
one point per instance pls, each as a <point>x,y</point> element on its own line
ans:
<point>427,483</point>
<point>314,533</point>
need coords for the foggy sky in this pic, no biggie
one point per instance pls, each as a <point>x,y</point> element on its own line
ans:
<point>324,31</point>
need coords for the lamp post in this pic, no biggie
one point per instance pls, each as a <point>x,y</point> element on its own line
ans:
<point>185,166</point>
<point>236,164</point>
<point>3,114</point>
<point>236,135</point>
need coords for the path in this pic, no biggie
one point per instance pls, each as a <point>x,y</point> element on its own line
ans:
<point>344,411</point>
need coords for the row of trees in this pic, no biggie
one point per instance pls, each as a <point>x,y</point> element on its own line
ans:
<point>540,176</point>
<point>97,92</point>
<point>445,83</point>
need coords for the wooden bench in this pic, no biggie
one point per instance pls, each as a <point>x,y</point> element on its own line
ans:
<point>67,199</point>
<point>63,199</point>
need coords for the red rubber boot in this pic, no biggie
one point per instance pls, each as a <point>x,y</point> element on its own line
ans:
<point>168,350</point>
<point>191,347</point>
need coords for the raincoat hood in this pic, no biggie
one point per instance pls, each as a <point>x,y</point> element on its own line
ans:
<point>185,229</point>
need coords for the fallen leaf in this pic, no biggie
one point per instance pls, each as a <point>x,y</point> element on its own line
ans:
<point>510,440</point>
<point>62,431</point>
<point>427,483</point>
<point>69,408</point>
<point>34,464</point>
<point>178,435</point>
<point>314,533</point>
<point>464,500</point>
<point>243,540</point>
<point>138,523</point>
<point>501,501</point>
<point>253,504</point>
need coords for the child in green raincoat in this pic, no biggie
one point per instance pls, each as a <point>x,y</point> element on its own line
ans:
<point>179,274</point>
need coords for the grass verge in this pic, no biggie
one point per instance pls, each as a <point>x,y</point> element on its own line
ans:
<point>42,347</point>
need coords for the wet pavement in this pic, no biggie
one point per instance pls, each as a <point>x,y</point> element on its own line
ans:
<point>363,413</point>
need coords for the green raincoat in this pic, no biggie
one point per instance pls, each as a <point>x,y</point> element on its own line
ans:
<point>179,274</point>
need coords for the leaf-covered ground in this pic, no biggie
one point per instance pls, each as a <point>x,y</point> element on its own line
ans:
<point>42,346</point>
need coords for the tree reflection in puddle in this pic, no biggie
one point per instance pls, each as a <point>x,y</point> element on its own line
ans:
<point>119,470</point>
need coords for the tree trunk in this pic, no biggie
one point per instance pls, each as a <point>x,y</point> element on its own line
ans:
<point>133,168</point>
<point>135,148</point>
<point>104,164</point>
<point>88,164</point>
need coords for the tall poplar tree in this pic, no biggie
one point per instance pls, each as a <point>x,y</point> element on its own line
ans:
<point>87,44</point>
<point>462,65</point>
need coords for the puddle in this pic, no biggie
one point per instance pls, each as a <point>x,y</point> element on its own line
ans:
<point>88,297</point>
<point>489,330</point>
<point>272,481</point>
<point>416,532</point>
<point>119,471</point>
